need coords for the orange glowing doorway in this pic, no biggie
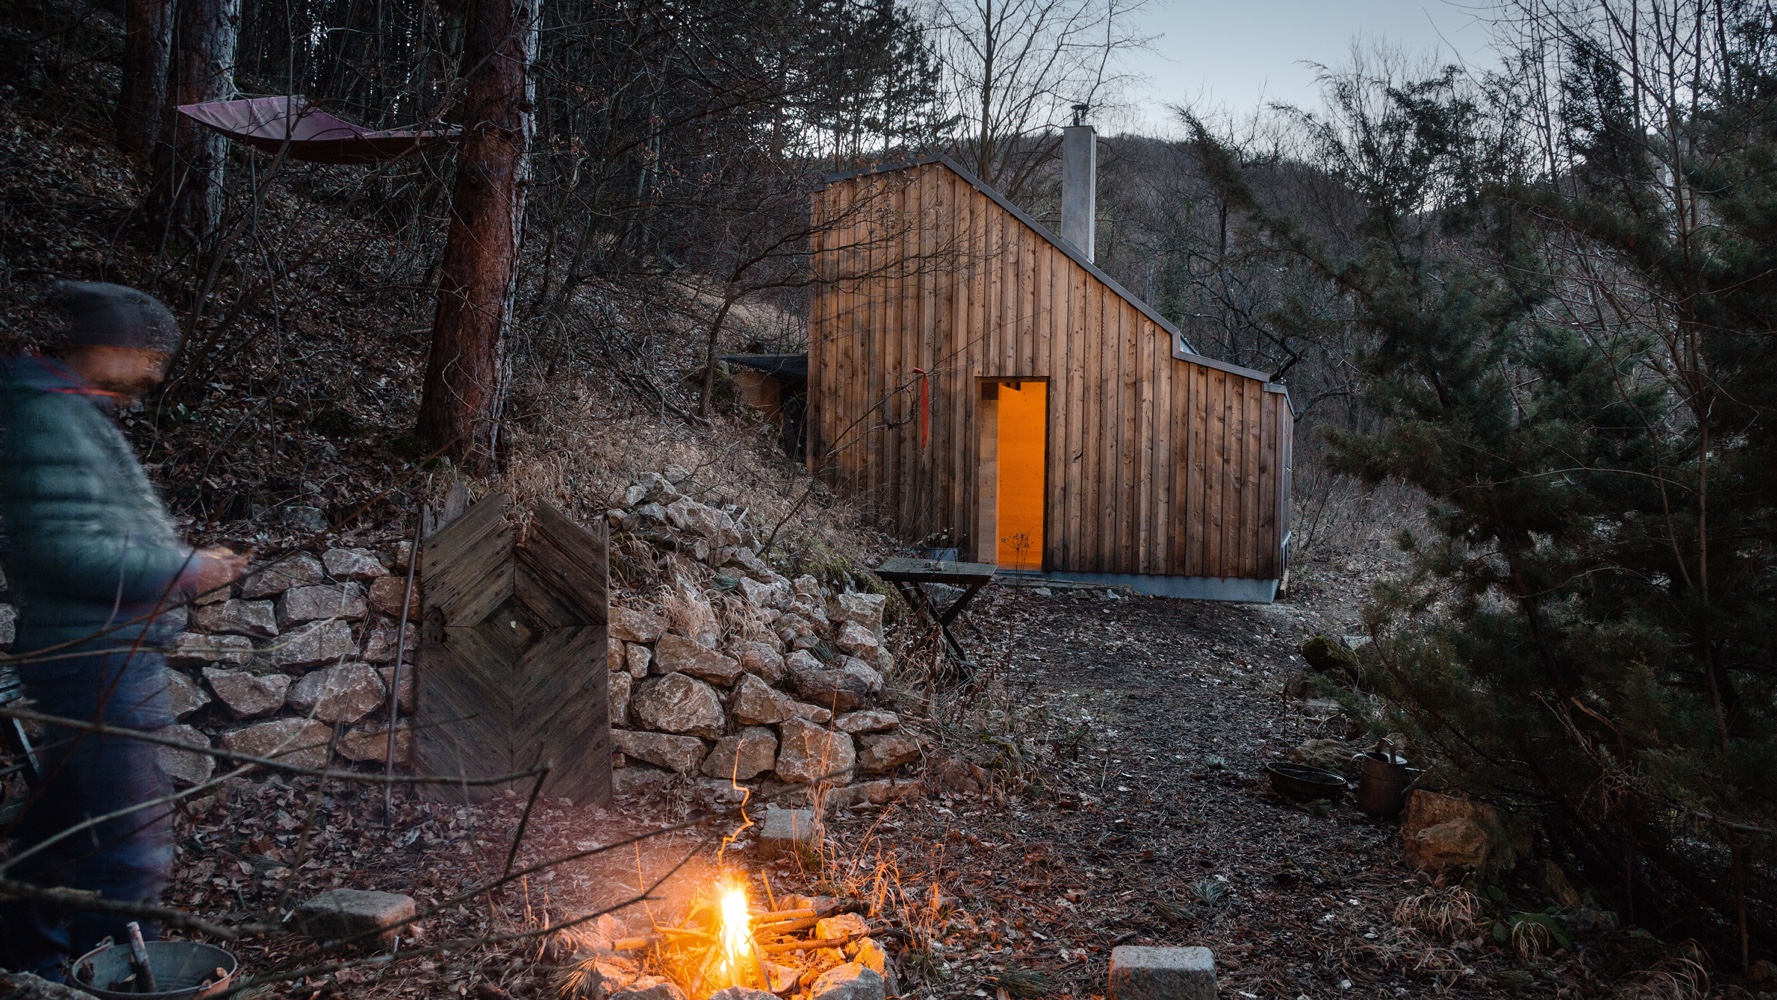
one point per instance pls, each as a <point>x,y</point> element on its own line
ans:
<point>1014,442</point>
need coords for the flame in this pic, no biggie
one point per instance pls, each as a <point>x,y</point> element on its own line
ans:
<point>737,933</point>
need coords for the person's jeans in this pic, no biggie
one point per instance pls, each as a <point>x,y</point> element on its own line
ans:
<point>126,857</point>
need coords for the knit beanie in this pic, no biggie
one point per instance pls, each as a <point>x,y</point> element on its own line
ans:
<point>99,314</point>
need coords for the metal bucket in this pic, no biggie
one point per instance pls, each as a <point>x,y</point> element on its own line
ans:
<point>1382,781</point>
<point>183,970</point>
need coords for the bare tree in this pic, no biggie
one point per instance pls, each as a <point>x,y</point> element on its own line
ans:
<point>1015,67</point>
<point>466,373</point>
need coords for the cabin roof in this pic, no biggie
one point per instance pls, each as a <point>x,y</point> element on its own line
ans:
<point>1181,347</point>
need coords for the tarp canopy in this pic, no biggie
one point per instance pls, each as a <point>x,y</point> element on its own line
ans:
<point>305,132</point>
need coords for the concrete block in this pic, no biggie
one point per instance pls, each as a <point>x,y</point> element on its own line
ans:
<point>785,831</point>
<point>346,913</point>
<point>1142,973</point>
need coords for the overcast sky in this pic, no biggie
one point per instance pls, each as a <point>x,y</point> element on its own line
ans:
<point>1237,53</point>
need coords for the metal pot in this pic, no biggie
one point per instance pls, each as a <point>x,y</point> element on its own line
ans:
<point>1382,780</point>
<point>184,970</point>
<point>1304,783</point>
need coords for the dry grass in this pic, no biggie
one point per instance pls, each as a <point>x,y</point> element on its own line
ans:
<point>1447,912</point>
<point>1677,978</point>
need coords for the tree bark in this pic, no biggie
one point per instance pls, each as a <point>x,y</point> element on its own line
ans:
<point>186,197</point>
<point>147,41</point>
<point>478,280</point>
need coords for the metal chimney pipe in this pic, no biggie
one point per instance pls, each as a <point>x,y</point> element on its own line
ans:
<point>1079,182</point>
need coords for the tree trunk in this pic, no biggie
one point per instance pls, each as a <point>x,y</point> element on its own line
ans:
<point>186,198</point>
<point>478,280</point>
<point>147,38</point>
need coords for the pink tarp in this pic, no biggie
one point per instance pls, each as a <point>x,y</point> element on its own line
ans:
<point>312,135</point>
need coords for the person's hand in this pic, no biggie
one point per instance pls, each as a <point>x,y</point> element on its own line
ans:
<point>215,566</point>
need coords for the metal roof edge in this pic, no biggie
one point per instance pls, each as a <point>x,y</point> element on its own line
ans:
<point>1181,346</point>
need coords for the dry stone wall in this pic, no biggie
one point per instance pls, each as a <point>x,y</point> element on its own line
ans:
<point>288,656</point>
<point>725,670</point>
<point>721,668</point>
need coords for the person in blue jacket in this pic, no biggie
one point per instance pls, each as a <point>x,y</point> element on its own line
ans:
<point>97,571</point>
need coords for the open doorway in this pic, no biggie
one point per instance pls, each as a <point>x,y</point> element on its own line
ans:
<point>1014,441</point>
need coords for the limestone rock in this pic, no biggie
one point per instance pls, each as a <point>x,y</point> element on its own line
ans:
<point>677,703</point>
<point>675,753</point>
<point>246,695</point>
<point>302,742</point>
<point>759,595</point>
<point>385,597</point>
<point>651,488</point>
<point>687,514</point>
<point>307,604</point>
<point>785,831</point>
<point>339,914</point>
<point>806,586</point>
<point>742,993</point>
<point>761,659</point>
<point>807,752</point>
<point>850,981</point>
<point>840,688</point>
<point>405,698</point>
<point>9,616</point>
<point>630,625</point>
<point>865,609</point>
<point>1326,654</point>
<point>299,570</point>
<point>858,641</point>
<point>744,755</point>
<point>186,767</point>
<point>756,703</point>
<point>637,659</point>
<point>342,694</point>
<point>635,781</point>
<point>1444,831</point>
<point>236,617</point>
<point>184,696</point>
<point>380,646</point>
<point>883,752</point>
<point>840,925</point>
<point>677,654</point>
<point>353,564</point>
<point>879,792</point>
<point>960,777</point>
<point>621,686</point>
<point>692,615</point>
<point>314,644</point>
<point>871,720</point>
<point>371,743</point>
<point>746,559</point>
<point>194,649</point>
<point>812,609</point>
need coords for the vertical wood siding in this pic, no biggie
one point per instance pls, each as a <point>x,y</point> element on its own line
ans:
<point>1155,465</point>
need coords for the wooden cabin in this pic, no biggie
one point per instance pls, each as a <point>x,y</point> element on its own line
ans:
<point>977,382</point>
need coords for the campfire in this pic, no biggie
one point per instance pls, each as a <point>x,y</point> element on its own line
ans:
<point>726,941</point>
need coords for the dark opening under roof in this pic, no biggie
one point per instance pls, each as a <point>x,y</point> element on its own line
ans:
<point>791,366</point>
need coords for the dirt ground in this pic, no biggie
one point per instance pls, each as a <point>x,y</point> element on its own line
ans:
<point>1124,737</point>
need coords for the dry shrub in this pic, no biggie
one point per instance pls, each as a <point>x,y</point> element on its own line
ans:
<point>691,615</point>
<point>1531,940</point>
<point>1443,911</point>
<point>1677,978</point>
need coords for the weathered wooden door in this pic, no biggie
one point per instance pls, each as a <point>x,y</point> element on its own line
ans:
<point>512,669</point>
